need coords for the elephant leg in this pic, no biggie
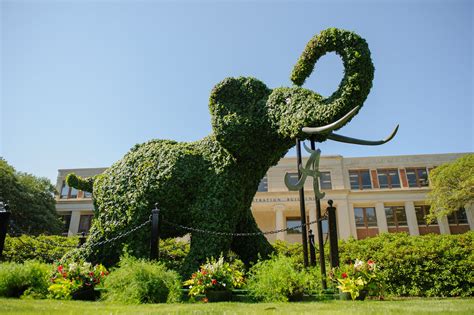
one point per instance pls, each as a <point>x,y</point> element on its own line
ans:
<point>250,248</point>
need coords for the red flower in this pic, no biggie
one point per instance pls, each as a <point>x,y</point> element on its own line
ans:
<point>370,262</point>
<point>344,275</point>
<point>214,281</point>
<point>60,268</point>
<point>204,272</point>
<point>91,273</point>
<point>205,300</point>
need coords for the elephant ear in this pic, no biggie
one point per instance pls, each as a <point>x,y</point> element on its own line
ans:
<point>239,115</point>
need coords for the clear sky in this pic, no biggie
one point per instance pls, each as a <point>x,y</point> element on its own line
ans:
<point>83,81</point>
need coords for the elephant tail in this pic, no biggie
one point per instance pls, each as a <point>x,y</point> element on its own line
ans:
<point>358,68</point>
<point>84,184</point>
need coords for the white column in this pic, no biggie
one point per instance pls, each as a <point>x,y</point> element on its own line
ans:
<point>74,225</point>
<point>444,225</point>
<point>279,221</point>
<point>470,215</point>
<point>343,221</point>
<point>381,218</point>
<point>411,218</point>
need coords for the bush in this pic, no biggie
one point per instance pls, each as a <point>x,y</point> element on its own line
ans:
<point>429,265</point>
<point>280,279</point>
<point>173,253</point>
<point>25,279</point>
<point>25,247</point>
<point>138,281</point>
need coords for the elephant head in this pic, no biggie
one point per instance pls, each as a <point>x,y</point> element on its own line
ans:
<point>250,119</point>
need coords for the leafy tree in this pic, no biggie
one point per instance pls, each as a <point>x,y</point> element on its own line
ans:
<point>452,186</point>
<point>31,200</point>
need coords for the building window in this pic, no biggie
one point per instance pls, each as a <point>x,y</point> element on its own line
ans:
<point>263,185</point>
<point>421,213</point>
<point>65,217</point>
<point>388,178</point>
<point>325,180</point>
<point>85,223</point>
<point>360,179</point>
<point>458,217</point>
<point>293,178</point>
<point>87,194</point>
<point>417,177</point>
<point>67,192</point>
<point>396,216</point>
<point>365,217</point>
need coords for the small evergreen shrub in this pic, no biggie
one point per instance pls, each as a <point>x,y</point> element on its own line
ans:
<point>26,247</point>
<point>24,279</point>
<point>428,265</point>
<point>280,279</point>
<point>173,253</point>
<point>139,281</point>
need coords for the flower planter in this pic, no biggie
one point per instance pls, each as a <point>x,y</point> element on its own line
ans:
<point>86,294</point>
<point>219,295</point>
<point>296,297</point>
<point>347,296</point>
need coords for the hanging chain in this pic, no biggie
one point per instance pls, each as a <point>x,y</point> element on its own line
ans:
<point>192,229</point>
<point>121,235</point>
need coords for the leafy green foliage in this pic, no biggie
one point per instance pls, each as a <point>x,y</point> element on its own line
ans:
<point>31,200</point>
<point>139,281</point>
<point>173,253</point>
<point>452,186</point>
<point>209,184</point>
<point>26,279</point>
<point>22,248</point>
<point>428,265</point>
<point>279,279</point>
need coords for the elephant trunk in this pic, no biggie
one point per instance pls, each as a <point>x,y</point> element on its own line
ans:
<point>358,67</point>
<point>314,110</point>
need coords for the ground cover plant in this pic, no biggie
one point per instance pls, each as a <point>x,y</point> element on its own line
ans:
<point>30,278</point>
<point>209,184</point>
<point>138,281</point>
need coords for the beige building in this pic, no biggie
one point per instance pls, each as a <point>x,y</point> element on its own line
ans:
<point>371,194</point>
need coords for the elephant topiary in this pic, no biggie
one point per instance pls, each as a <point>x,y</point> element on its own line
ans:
<point>209,184</point>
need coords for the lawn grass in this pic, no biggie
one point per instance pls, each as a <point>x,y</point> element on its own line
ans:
<point>401,306</point>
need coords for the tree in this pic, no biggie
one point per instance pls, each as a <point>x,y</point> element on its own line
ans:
<point>31,201</point>
<point>452,186</point>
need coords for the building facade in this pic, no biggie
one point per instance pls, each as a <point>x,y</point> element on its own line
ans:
<point>372,195</point>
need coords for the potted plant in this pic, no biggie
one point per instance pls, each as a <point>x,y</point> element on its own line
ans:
<point>215,279</point>
<point>77,281</point>
<point>355,281</point>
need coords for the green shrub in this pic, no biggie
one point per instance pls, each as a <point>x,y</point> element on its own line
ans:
<point>173,253</point>
<point>429,265</point>
<point>280,279</point>
<point>138,281</point>
<point>25,279</point>
<point>25,247</point>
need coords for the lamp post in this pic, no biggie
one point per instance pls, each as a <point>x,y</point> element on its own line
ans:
<point>4,217</point>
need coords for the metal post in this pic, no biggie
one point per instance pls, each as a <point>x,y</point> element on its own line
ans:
<point>304,229</point>
<point>82,239</point>
<point>4,217</point>
<point>322,261</point>
<point>312,250</point>
<point>333,246</point>
<point>155,233</point>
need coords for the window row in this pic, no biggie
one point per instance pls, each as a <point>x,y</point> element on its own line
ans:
<point>72,193</point>
<point>388,178</point>
<point>85,222</point>
<point>396,216</point>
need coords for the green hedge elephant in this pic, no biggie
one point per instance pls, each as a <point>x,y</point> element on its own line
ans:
<point>209,184</point>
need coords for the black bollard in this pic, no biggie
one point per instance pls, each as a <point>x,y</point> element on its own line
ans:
<point>155,233</point>
<point>312,249</point>
<point>333,246</point>
<point>4,217</point>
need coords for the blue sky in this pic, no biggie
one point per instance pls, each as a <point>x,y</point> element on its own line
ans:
<point>83,81</point>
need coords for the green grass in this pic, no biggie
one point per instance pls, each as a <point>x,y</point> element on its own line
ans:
<point>400,306</point>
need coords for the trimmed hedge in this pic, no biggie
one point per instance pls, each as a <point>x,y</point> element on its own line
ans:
<point>26,247</point>
<point>428,265</point>
<point>209,184</point>
<point>24,279</point>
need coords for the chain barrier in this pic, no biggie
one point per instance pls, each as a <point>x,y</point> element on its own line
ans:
<point>110,240</point>
<point>192,229</point>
